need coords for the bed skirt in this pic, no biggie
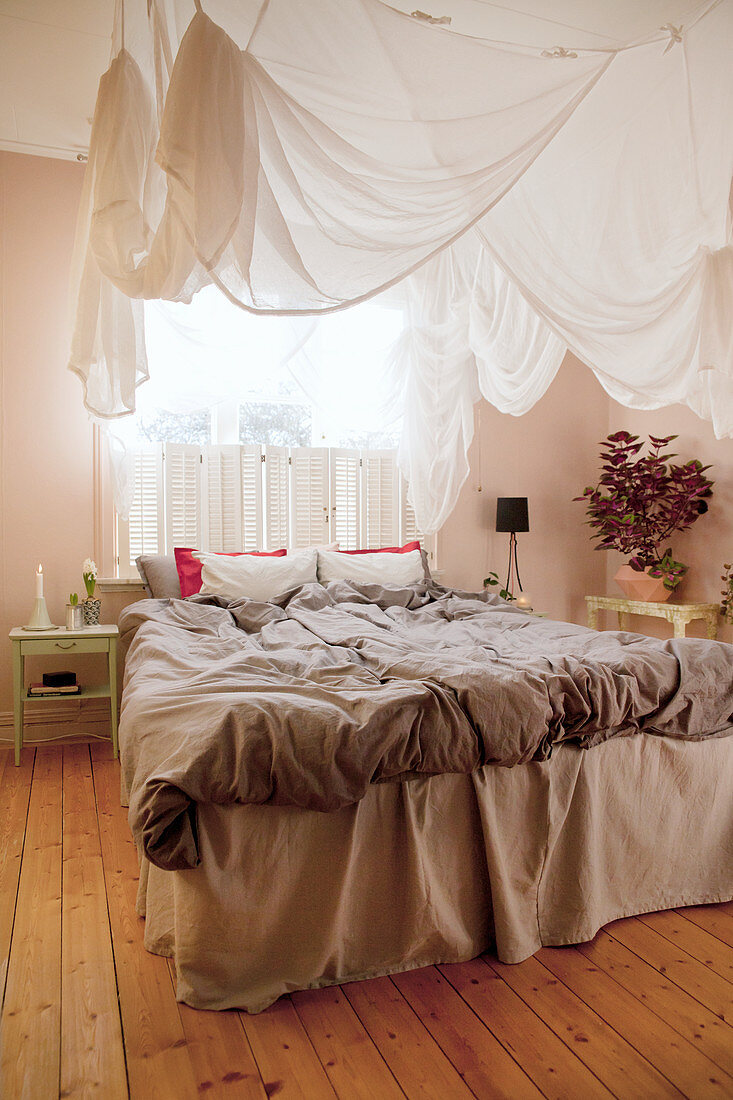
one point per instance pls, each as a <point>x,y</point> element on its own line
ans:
<point>440,869</point>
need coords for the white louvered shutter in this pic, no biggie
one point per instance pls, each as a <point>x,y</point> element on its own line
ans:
<point>222,495</point>
<point>276,502</point>
<point>408,523</point>
<point>143,532</point>
<point>250,461</point>
<point>309,496</point>
<point>182,471</point>
<point>380,505</point>
<point>345,498</point>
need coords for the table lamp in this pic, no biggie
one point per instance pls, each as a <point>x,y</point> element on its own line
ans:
<point>512,515</point>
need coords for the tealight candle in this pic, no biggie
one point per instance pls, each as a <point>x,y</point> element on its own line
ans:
<point>524,601</point>
<point>39,582</point>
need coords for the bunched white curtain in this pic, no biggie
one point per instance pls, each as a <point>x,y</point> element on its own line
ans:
<point>536,195</point>
<point>469,334</point>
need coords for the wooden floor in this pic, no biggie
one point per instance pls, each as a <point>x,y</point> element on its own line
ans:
<point>645,1010</point>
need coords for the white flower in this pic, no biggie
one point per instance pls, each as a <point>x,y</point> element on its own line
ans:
<point>89,568</point>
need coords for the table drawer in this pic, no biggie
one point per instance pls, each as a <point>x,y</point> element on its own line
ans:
<point>50,646</point>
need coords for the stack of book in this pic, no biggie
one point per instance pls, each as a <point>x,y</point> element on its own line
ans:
<point>55,683</point>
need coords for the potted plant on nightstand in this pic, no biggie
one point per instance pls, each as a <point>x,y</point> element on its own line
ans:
<point>639,502</point>
<point>90,606</point>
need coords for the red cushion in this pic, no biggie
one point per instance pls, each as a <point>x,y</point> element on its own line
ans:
<point>406,549</point>
<point>189,567</point>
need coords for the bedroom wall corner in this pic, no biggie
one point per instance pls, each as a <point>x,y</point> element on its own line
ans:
<point>547,455</point>
<point>46,483</point>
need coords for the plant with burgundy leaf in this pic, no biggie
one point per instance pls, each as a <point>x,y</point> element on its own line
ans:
<point>726,604</point>
<point>641,499</point>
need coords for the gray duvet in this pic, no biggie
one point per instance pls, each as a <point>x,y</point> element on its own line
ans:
<point>309,699</point>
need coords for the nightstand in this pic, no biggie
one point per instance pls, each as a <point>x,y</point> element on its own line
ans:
<point>69,643</point>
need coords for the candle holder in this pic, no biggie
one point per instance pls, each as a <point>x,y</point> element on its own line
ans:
<point>39,619</point>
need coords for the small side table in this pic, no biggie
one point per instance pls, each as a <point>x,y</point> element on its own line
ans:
<point>58,640</point>
<point>679,614</point>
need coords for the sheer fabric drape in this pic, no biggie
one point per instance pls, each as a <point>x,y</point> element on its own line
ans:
<point>533,197</point>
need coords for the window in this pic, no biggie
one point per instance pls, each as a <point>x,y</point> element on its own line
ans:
<point>280,423</point>
<point>263,432</point>
<point>248,497</point>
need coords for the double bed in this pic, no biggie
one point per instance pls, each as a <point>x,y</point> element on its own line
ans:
<point>353,779</point>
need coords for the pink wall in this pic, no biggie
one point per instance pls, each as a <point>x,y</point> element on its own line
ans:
<point>542,455</point>
<point>46,444</point>
<point>549,455</point>
<point>46,471</point>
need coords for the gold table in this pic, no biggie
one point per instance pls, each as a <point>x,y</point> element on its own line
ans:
<point>679,614</point>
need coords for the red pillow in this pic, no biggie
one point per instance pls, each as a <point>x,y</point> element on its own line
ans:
<point>189,567</point>
<point>406,549</point>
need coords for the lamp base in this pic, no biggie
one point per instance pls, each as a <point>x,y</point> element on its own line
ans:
<point>512,572</point>
<point>39,619</point>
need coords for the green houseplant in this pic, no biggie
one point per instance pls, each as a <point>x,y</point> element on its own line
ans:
<point>640,500</point>
<point>726,604</point>
<point>492,581</point>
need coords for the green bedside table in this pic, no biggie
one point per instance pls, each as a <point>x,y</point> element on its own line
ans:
<point>69,643</point>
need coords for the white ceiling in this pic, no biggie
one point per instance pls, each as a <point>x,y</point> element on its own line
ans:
<point>53,52</point>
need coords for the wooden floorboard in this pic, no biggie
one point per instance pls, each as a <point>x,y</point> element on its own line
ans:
<point>712,919</point>
<point>15,790</point>
<point>92,1055</point>
<point>684,1065</point>
<point>644,1010</point>
<point>416,1061</point>
<point>693,1021</point>
<point>285,1056</point>
<point>221,1057</point>
<point>678,965</point>
<point>695,941</point>
<point>483,1063</point>
<point>158,1064</point>
<point>352,1061</point>
<point>31,1023</point>
<point>557,1071</point>
<point>607,1054</point>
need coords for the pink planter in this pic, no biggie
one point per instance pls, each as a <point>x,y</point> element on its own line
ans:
<point>640,586</point>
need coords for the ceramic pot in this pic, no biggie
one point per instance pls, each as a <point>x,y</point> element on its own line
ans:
<point>640,586</point>
<point>90,610</point>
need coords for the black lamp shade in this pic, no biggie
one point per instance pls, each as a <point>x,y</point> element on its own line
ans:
<point>512,514</point>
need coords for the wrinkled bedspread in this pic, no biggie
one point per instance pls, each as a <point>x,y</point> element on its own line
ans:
<point>310,698</point>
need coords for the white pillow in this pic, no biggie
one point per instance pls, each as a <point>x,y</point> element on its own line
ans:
<point>370,568</point>
<point>256,578</point>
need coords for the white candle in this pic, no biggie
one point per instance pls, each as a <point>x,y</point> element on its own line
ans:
<point>524,601</point>
<point>39,582</point>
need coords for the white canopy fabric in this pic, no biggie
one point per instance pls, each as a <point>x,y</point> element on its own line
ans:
<point>536,195</point>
